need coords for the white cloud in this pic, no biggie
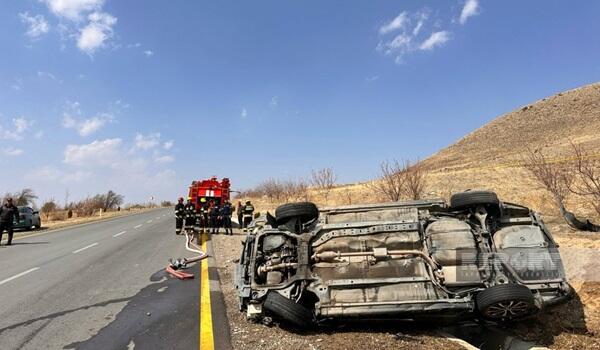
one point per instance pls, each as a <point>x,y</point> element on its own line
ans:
<point>11,151</point>
<point>470,9</point>
<point>149,53</point>
<point>244,113</point>
<point>17,85</point>
<point>164,159</point>
<point>48,76</point>
<point>73,9</point>
<point>96,33</point>
<point>372,78</point>
<point>421,16</point>
<point>435,39</point>
<point>274,102</point>
<point>97,153</point>
<point>147,142</point>
<point>86,127</point>
<point>398,22</point>
<point>168,145</point>
<point>39,134</point>
<point>51,174</point>
<point>16,131</point>
<point>407,29</point>
<point>36,25</point>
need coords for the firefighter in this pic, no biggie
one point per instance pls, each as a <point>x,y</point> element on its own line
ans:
<point>203,217</point>
<point>190,215</point>
<point>240,213</point>
<point>226,217</point>
<point>248,213</point>
<point>179,214</point>
<point>214,218</point>
<point>9,213</point>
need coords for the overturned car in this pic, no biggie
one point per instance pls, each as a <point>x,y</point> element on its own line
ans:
<point>477,257</point>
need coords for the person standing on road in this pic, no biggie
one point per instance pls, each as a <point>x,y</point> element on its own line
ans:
<point>179,214</point>
<point>240,214</point>
<point>190,215</point>
<point>248,214</point>
<point>226,217</point>
<point>214,218</point>
<point>9,213</point>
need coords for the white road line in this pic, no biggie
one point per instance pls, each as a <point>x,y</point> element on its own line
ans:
<point>120,233</point>
<point>149,221</point>
<point>18,275</point>
<point>158,217</point>
<point>84,248</point>
<point>138,226</point>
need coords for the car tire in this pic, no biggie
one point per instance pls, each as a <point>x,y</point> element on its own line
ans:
<point>39,224</point>
<point>470,199</point>
<point>306,211</point>
<point>505,302</point>
<point>288,311</point>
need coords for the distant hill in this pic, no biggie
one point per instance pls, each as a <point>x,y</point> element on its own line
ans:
<point>551,122</point>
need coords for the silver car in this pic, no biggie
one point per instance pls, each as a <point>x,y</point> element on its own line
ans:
<point>477,257</point>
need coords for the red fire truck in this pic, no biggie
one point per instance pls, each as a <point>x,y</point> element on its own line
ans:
<point>204,191</point>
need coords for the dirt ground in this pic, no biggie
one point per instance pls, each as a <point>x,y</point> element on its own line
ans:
<point>575,325</point>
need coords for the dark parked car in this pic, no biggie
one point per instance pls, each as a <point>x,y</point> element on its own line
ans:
<point>477,257</point>
<point>28,218</point>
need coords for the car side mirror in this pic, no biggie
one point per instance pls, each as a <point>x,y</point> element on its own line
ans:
<point>35,212</point>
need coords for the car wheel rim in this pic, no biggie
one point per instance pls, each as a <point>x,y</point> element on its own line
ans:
<point>507,309</point>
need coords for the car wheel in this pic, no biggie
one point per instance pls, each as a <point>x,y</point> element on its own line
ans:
<point>505,302</point>
<point>39,224</point>
<point>470,199</point>
<point>287,310</point>
<point>306,211</point>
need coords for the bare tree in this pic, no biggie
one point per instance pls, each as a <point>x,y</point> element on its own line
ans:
<point>391,181</point>
<point>400,179</point>
<point>22,198</point>
<point>324,181</point>
<point>49,207</point>
<point>273,189</point>
<point>294,190</point>
<point>416,175</point>
<point>587,177</point>
<point>111,200</point>
<point>553,177</point>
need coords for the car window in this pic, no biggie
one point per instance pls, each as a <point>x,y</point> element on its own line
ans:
<point>24,210</point>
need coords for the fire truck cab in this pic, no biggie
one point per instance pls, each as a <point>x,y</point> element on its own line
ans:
<point>205,191</point>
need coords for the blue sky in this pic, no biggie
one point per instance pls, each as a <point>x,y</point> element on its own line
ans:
<point>143,96</point>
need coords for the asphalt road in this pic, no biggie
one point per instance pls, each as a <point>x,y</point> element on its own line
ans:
<point>100,286</point>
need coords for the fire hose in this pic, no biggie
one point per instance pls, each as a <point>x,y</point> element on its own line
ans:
<point>176,265</point>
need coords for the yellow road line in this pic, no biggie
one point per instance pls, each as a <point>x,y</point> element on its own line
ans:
<point>206,326</point>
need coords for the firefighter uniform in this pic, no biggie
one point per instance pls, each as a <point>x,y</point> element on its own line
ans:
<point>190,215</point>
<point>226,218</point>
<point>179,215</point>
<point>214,218</point>
<point>9,213</point>
<point>240,214</point>
<point>248,214</point>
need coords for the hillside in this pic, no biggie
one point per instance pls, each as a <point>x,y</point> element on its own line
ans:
<point>551,122</point>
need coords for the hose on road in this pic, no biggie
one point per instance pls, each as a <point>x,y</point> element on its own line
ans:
<point>175,265</point>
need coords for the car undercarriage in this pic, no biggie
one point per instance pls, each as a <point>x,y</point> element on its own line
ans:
<point>475,257</point>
